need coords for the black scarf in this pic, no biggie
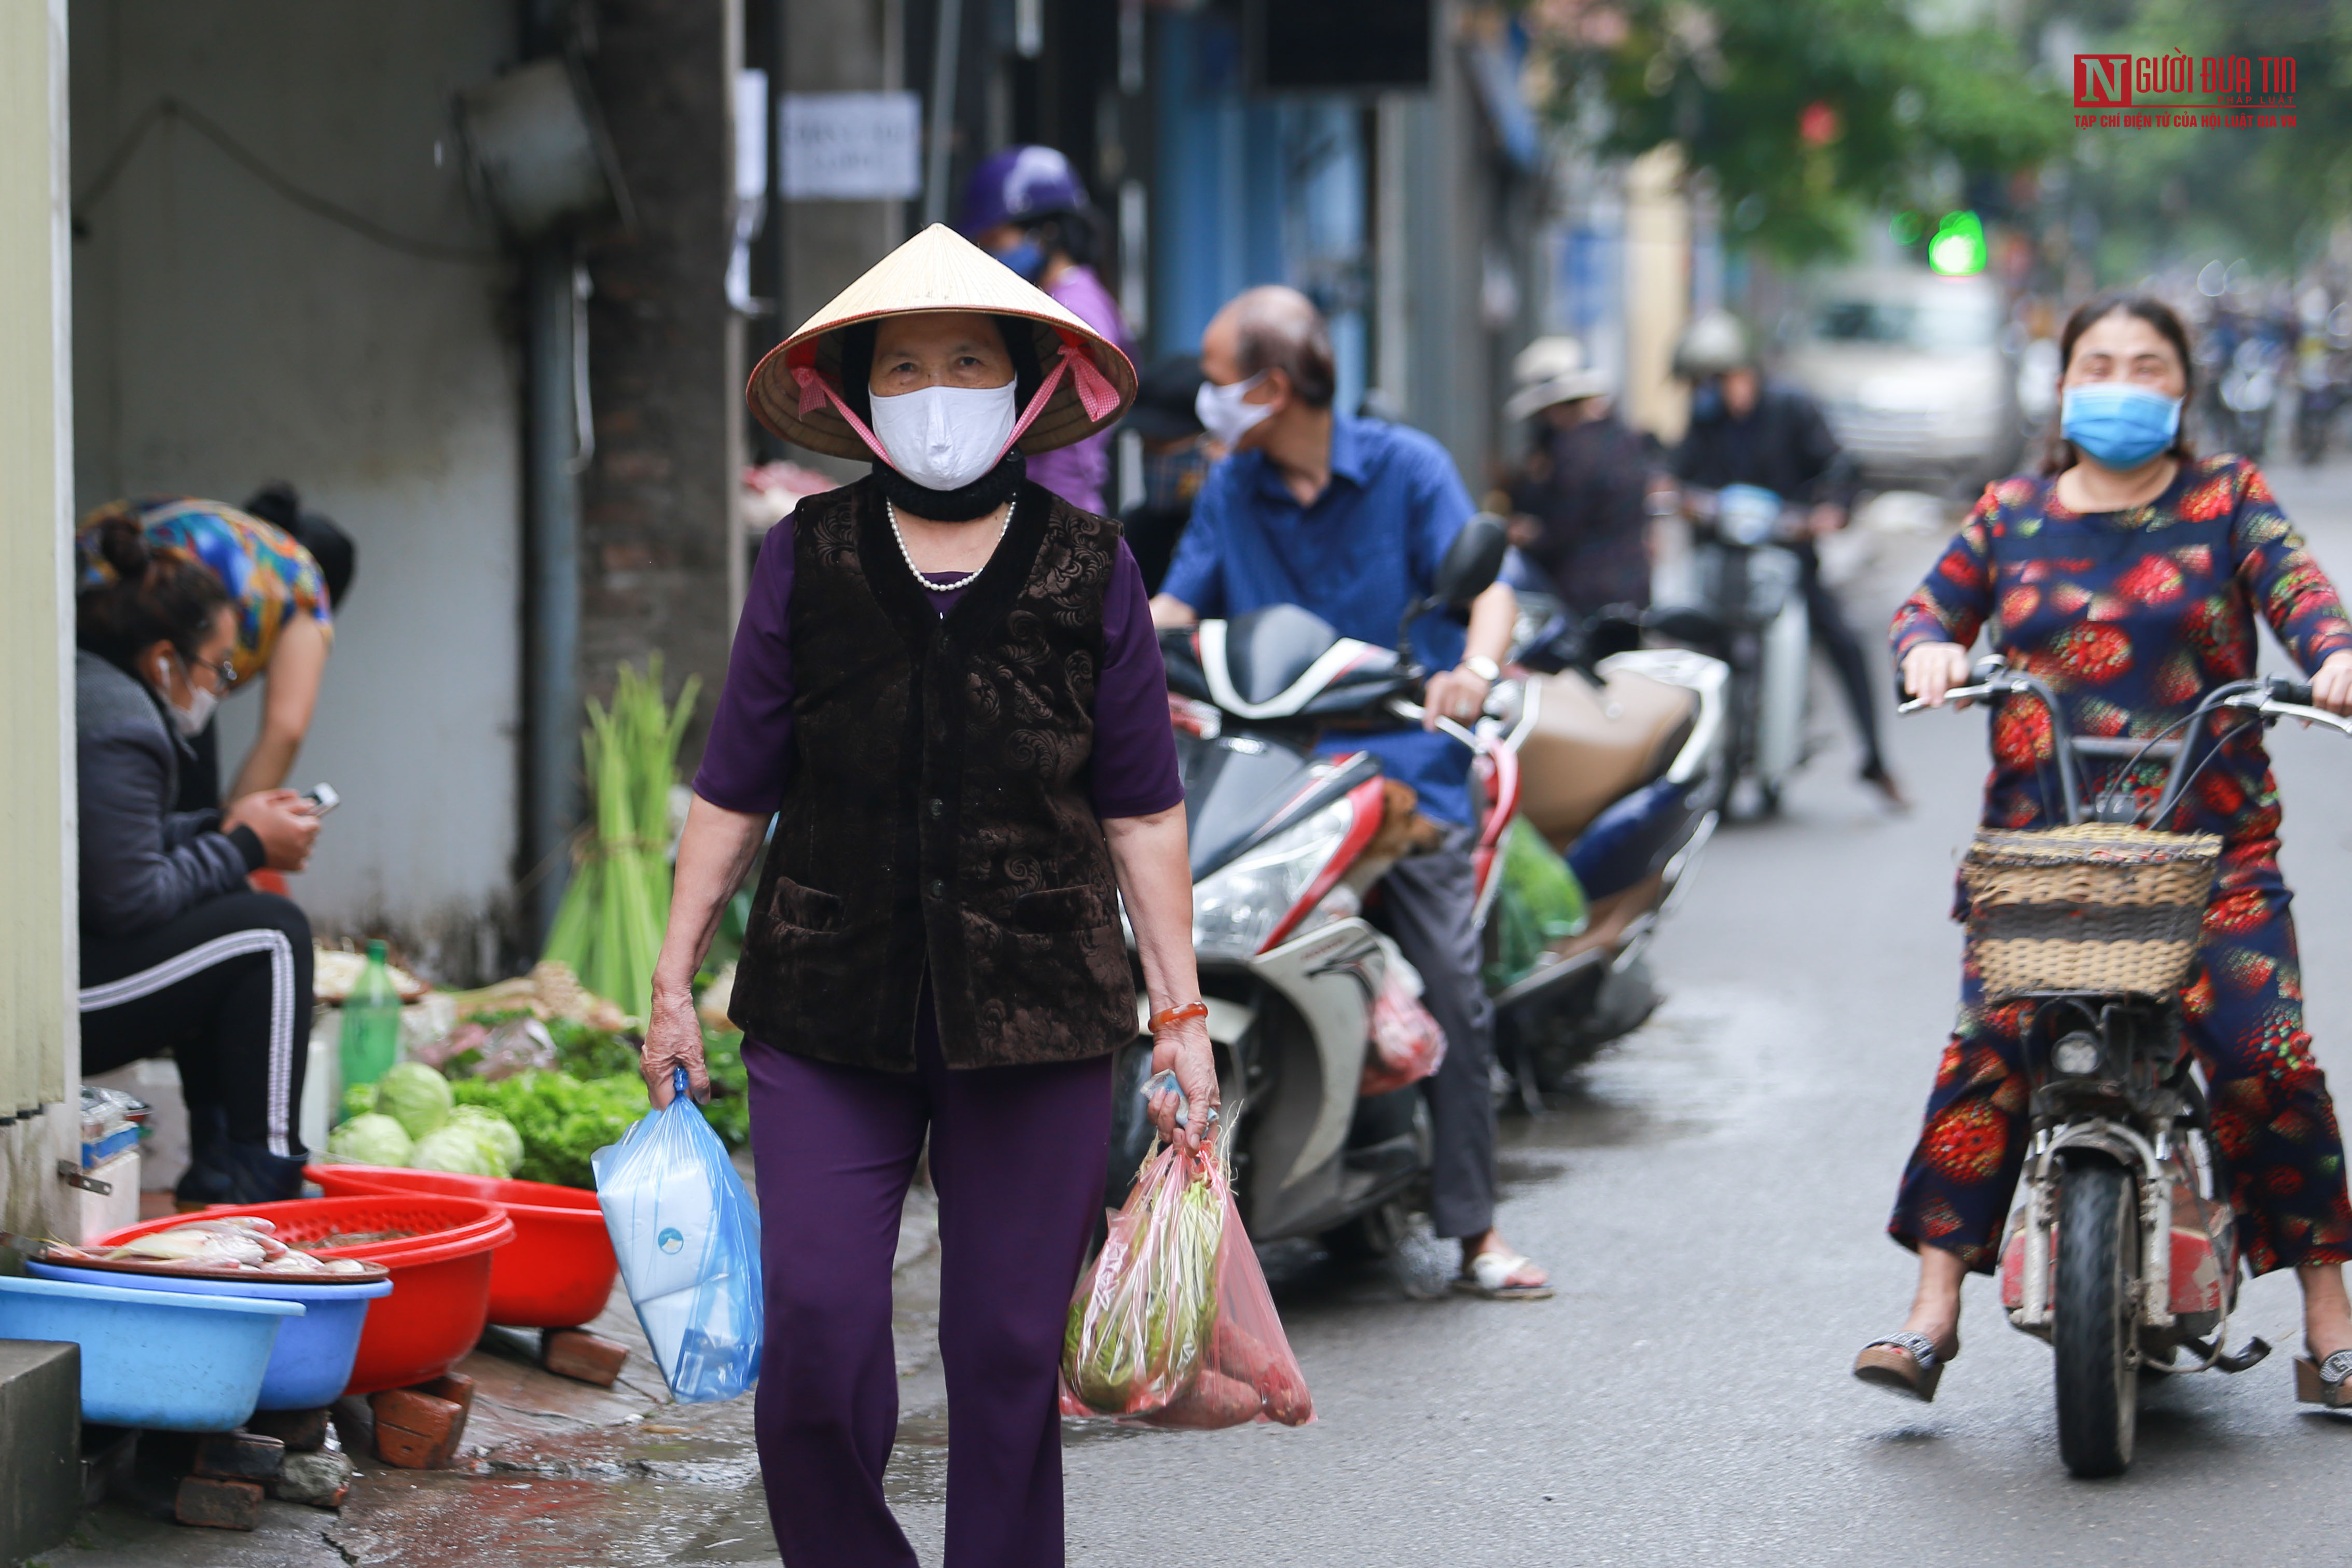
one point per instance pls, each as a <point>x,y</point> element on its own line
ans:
<point>961,505</point>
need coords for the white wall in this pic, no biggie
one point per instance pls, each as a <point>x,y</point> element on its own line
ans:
<point>224,337</point>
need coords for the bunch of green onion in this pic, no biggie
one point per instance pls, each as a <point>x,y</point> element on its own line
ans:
<point>609,927</point>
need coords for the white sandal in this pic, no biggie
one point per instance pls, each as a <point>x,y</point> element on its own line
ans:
<point>1489,1276</point>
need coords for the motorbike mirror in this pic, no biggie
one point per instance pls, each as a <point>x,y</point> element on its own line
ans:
<point>1472,562</point>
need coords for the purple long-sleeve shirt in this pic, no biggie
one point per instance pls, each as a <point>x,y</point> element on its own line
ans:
<point>746,762</point>
<point>1077,472</point>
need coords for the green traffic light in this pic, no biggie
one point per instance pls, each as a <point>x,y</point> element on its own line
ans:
<point>1959,249</point>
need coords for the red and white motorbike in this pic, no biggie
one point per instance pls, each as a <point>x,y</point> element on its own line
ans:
<point>1287,846</point>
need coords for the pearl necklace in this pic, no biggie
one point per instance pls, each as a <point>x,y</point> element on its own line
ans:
<point>936,587</point>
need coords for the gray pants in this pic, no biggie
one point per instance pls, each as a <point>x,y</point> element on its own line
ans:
<point>1429,901</point>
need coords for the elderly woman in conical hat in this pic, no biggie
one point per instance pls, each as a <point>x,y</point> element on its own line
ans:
<point>946,691</point>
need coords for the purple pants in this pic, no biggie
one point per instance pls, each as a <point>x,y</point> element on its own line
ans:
<point>1017,1156</point>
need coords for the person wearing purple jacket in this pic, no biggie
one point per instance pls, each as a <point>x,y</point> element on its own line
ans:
<point>1026,207</point>
<point>947,697</point>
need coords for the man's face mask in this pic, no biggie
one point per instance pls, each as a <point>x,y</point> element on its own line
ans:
<point>1226,414</point>
<point>1706,399</point>
<point>943,438</point>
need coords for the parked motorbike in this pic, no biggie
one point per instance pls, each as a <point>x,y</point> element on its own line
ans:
<point>1750,614</point>
<point>1287,845</point>
<point>2123,1254</point>
<point>1623,769</point>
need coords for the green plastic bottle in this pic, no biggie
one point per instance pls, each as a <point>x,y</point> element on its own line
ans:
<point>369,1042</point>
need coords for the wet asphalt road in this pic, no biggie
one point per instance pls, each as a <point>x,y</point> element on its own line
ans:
<point>1712,1204</point>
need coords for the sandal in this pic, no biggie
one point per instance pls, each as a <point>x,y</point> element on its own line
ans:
<point>2321,1383</point>
<point>1904,1362</point>
<point>1489,1275</point>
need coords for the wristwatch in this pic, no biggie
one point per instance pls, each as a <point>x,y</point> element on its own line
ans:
<point>1485,668</point>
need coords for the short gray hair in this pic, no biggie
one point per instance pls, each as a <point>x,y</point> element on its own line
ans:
<point>1278,329</point>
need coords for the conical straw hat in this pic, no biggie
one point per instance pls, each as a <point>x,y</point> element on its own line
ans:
<point>794,392</point>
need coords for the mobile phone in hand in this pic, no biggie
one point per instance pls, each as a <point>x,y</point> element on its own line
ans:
<point>321,798</point>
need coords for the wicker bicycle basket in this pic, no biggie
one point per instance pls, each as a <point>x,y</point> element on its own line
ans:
<point>2095,907</point>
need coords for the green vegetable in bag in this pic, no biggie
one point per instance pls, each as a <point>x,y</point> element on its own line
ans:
<point>1540,903</point>
<point>1143,1316</point>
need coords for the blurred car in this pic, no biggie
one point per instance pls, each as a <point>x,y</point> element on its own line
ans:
<point>1910,371</point>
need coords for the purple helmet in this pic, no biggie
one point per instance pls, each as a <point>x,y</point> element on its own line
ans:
<point>1018,185</point>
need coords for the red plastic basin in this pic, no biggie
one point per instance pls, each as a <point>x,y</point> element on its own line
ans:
<point>440,1275</point>
<point>558,1274</point>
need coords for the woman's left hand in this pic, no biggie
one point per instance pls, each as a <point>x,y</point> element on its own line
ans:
<point>1459,695</point>
<point>1185,1047</point>
<point>2331,687</point>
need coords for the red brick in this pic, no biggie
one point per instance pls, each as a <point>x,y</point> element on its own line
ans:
<point>239,1456</point>
<point>457,1388</point>
<point>302,1431</point>
<point>416,1431</point>
<point>577,1353</point>
<point>221,1504</point>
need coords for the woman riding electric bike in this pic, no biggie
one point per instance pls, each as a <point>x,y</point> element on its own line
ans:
<point>2125,578</point>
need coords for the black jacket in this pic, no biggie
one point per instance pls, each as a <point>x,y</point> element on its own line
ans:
<point>1783,446</point>
<point>142,863</point>
<point>939,819</point>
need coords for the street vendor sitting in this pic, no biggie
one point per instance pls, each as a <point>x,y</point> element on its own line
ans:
<point>947,692</point>
<point>178,955</point>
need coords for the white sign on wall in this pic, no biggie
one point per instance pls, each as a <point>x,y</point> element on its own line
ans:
<point>851,146</point>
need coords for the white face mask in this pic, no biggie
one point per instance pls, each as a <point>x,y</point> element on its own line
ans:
<point>1224,414</point>
<point>945,437</point>
<point>190,720</point>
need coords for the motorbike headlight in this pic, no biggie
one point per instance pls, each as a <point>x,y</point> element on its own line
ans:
<point>1236,907</point>
<point>2077,1055</point>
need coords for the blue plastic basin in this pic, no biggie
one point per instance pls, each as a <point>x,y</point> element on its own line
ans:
<point>152,1358</point>
<point>312,1359</point>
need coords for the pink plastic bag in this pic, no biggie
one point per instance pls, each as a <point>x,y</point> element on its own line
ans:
<point>1173,1326</point>
<point>1407,1045</point>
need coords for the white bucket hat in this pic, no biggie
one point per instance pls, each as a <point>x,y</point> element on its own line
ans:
<point>796,390</point>
<point>1550,371</point>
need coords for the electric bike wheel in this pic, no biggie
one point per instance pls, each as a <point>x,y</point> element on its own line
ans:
<point>2097,1315</point>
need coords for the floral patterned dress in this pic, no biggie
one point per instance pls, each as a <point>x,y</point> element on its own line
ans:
<point>2131,617</point>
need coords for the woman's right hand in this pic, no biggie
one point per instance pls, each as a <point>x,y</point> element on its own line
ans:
<point>279,818</point>
<point>673,1040</point>
<point>1932,669</point>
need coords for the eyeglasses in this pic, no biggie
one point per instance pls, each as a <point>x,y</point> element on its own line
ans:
<point>224,671</point>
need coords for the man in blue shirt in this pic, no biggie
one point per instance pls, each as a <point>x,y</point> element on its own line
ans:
<point>1350,517</point>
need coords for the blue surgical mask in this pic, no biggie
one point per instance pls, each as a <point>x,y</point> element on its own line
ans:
<point>1023,257</point>
<point>2117,424</point>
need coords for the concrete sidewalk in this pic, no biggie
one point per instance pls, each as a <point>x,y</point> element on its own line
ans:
<point>553,1472</point>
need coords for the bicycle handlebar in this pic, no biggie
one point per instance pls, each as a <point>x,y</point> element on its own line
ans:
<point>2266,701</point>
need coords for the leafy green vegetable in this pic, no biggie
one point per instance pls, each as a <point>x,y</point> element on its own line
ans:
<point>369,1139</point>
<point>1137,1329</point>
<point>414,1095</point>
<point>457,1148</point>
<point>562,1119</point>
<point>358,1101</point>
<point>494,1130</point>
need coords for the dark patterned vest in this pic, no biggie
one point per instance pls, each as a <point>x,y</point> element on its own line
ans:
<point>938,820</point>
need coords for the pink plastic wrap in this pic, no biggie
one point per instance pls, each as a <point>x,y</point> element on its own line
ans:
<point>1173,1326</point>
<point>1407,1045</point>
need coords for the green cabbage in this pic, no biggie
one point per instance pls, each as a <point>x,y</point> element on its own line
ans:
<point>461,1150</point>
<point>358,1101</point>
<point>562,1119</point>
<point>369,1139</point>
<point>415,1096</point>
<point>494,1130</point>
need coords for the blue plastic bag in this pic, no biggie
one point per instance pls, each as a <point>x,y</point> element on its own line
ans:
<point>688,1242</point>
